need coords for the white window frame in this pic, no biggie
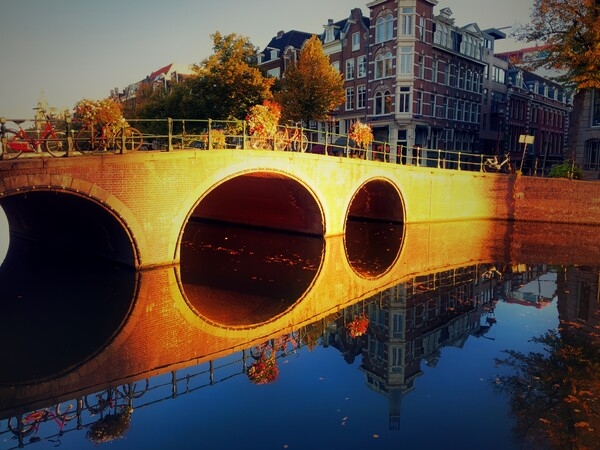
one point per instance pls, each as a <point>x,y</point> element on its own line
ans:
<point>350,69</point>
<point>356,41</point>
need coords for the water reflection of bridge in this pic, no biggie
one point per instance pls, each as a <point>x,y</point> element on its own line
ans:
<point>162,334</point>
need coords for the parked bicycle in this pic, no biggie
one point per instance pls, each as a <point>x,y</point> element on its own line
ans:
<point>494,165</point>
<point>47,139</point>
<point>107,137</point>
<point>291,138</point>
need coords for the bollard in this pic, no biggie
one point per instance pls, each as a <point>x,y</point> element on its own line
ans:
<point>69,134</point>
<point>2,136</point>
<point>170,134</point>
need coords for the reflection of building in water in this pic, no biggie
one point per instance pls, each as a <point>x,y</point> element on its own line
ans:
<point>524,286</point>
<point>579,301</point>
<point>412,321</point>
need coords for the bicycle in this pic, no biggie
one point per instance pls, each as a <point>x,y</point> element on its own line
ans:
<point>102,138</point>
<point>260,142</point>
<point>108,400</point>
<point>30,423</point>
<point>291,138</point>
<point>493,165</point>
<point>21,141</point>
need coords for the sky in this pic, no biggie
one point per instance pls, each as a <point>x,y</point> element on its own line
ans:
<point>67,50</point>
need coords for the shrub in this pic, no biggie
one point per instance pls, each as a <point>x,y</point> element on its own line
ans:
<point>565,170</point>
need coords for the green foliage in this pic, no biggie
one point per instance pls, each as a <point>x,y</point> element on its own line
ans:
<point>565,170</point>
<point>312,88</point>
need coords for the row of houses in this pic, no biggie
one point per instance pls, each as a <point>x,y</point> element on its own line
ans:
<point>423,82</point>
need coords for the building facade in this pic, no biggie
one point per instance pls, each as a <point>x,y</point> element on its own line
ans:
<point>425,84</point>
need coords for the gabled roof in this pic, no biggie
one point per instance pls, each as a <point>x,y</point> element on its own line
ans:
<point>283,40</point>
<point>343,25</point>
<point>160,73</point>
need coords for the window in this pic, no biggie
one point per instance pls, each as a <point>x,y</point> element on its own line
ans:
<point>383,65</point>
<point>406,22</point>
<point>421,29</point>
<point>329,36</point>
<point>361,96</point>
<point>591,157</point>
<point>434,69</point>
<point>274,53</point>
<point>404,100</point>
<point>350,69</point>
<point>384,28</point>
<point>596,108</point>
<point>421,67</point>
<point>419,106</point>
<point>349,98</point>
<point>406,61</point>
<point>362,66</point>
<point>355,41</point>
<point>336,65</point>
<point>383,103</point>
<point>276,72</point>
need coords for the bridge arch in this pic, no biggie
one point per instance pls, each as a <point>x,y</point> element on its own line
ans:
<point>270,199</point>
<point>379,202</point>
<point>60,210</point>
<point>260,200</point>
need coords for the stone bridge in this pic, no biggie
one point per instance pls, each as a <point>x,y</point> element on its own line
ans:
<point>133,208</point>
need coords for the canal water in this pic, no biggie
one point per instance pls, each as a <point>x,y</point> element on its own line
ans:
<point>455,336</point>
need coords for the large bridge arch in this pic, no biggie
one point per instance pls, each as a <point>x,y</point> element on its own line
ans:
<point>62,210</point>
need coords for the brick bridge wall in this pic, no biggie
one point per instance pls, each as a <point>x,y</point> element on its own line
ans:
<point>151,195</point>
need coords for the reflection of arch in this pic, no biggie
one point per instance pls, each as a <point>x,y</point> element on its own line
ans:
<point>61,309</point>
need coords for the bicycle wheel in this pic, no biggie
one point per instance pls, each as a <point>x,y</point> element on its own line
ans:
<point>133,139</point>
<point>303,143</point>
<point>132,390</point>
<point>258,143</point>
<point>14,145</point>
<point>57,145</point>
<point>83,141</point>
<point>22,427</point>
<point>66,412</point>
<point>279,141</point>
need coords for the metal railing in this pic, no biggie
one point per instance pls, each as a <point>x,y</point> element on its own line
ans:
<point>179,134</point>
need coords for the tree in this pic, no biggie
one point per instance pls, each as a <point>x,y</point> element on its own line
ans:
<point>554,393</point>
<point>229,82</point>
<point>312,87</point>
<point>568,32</point>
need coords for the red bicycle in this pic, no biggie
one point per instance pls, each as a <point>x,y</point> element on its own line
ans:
<point>30,424</point>
<point>35,141</point>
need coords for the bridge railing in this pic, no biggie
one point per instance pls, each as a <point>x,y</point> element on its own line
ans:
<point>175,134</point>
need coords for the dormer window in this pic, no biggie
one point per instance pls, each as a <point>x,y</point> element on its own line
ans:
<point>274,53</point>
<point>329,35</point>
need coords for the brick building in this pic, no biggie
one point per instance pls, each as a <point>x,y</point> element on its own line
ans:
<point>426,84</point>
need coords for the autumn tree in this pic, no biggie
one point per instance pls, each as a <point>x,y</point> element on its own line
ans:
<point>554,394</point>
<point>312,87</point>
<point>229,82</point>
<point>568,34</point>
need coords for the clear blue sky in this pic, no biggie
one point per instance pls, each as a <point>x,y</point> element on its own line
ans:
<point>74,49</point>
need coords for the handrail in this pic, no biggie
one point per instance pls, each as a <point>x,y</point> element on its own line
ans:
<point>171,134</point>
